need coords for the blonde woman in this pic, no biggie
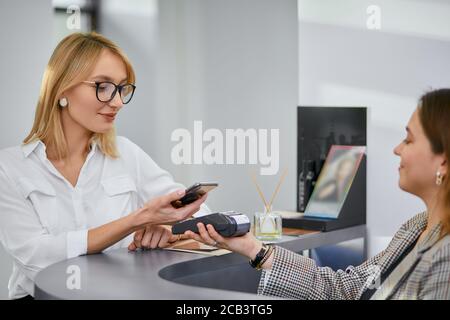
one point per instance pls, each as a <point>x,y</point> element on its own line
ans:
<point>416,263</point>
<point>73,187</point>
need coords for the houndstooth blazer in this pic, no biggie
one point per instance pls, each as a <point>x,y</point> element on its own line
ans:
<point>297,277</point>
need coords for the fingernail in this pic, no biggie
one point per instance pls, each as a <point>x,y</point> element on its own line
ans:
<point>180,192</point>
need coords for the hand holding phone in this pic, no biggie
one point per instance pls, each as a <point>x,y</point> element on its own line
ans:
<point>194,192</point>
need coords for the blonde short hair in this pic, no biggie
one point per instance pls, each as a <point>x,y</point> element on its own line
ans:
<point>72,61</point>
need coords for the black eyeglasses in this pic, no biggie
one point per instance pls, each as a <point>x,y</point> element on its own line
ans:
<point>106,91</point>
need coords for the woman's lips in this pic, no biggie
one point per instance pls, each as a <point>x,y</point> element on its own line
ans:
<point>109,116</point>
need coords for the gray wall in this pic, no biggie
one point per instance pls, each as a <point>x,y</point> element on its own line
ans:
<point>342,63</point>
<point>25,45</point>
<point>232,64</point>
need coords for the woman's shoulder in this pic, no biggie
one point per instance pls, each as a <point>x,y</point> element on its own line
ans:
<point>408,232</point>
<point>130,151</point>
<point>125,143</point>
<point>127,147</point>
<point>13,161</point>
<point>12,155</point>
<point>418,221</point>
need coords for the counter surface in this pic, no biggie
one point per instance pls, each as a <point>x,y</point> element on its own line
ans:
<point>164,274</point>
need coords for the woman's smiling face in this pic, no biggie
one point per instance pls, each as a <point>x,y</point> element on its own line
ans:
<point>418,163</point>
<point>84,108</point>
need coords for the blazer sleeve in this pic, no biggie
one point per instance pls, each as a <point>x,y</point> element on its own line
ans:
<point>294,276</point>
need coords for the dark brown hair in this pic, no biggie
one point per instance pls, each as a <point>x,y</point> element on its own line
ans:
<point>434,115</point>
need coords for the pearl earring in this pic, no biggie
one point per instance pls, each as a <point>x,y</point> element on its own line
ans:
<point>63,102</point>
<point>439,178</point>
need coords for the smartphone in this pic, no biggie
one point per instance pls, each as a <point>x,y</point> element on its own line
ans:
<point>194,192</point>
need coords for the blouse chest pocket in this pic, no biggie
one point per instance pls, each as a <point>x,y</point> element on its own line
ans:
<point>120,196</point>
<point>42,195</point>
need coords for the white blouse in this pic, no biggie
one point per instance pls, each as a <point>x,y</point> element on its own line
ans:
<point>44,219</point>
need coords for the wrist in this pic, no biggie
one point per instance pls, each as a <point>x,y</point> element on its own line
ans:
<point>261,257</point>
<point>137,219</point>
<point>269,262</point>
<point>257,246</point>
<point>131,221</point>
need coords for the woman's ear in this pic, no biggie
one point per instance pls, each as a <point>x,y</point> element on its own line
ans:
<point>443,168</point>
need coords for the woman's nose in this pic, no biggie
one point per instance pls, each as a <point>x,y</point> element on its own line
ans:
<point>397,150</point>
<point>116,102</point>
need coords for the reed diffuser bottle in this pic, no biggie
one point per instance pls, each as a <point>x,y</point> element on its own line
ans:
<point>267,225</point>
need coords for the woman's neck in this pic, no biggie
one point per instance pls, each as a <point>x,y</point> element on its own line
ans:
<point>77,139</point>
<point>77,144</point>
<point>435,207</point>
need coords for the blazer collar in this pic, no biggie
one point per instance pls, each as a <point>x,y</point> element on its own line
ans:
<point>406,237</point>
<point>416,226</point>
<point>430,239</point>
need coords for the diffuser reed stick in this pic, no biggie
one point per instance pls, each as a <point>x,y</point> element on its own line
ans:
<point>259,191</point>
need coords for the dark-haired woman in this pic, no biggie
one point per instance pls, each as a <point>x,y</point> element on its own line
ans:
<point>416,263</point>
